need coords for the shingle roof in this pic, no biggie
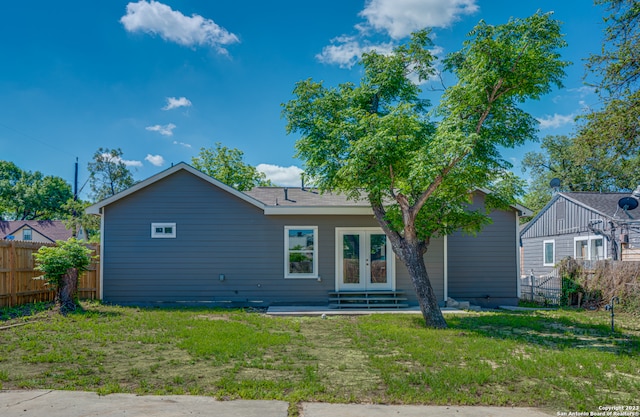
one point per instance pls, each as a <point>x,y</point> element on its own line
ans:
<point>301,197</point>
<point>605,203</point>
<point>51,229</point>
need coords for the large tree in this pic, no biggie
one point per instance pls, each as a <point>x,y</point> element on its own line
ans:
<point>108,173</point>
<point>376,140</point>
<point>227,166</point>
<point>26,195</point>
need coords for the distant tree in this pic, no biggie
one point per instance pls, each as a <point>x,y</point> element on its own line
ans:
<point>612,133</point>
<point>76,219</point>
<point>226,165</point>
<point>617,66</point>
<point>108,174</point>
<point>28,195</point>
<point>375,140</point>
<point>604,153</point>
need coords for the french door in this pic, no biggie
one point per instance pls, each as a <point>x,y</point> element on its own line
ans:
<point>364,260</point>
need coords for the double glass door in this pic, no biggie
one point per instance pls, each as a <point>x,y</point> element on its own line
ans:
<point>364,260</point>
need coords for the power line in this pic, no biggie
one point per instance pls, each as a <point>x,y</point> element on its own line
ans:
<point>36,139</point>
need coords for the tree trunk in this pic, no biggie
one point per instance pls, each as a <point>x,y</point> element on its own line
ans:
<point>414,261</point>
<point>68,291</point>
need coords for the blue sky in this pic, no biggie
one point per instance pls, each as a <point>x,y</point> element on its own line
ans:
<point>161,79</point>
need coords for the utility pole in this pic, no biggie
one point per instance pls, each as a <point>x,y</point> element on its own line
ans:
<point>75,182</point>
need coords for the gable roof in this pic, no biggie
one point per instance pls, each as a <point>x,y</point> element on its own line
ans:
<point>51,229</point>
<point>272,200</point>
<point>96,208</point>
<point>604,204</point>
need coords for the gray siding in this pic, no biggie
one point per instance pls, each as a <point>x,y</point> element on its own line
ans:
<point>561,218</point>
<point>562,221</point>
<point>483,268</point>
<point>218,233</point>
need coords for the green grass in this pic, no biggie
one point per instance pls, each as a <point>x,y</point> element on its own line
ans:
<point>560,359</point>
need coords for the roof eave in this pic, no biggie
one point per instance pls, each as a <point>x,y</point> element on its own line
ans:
<point>318,210</point>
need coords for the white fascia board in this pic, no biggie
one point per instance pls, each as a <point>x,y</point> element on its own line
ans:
<point>319,210</point>
<point>95,208</point>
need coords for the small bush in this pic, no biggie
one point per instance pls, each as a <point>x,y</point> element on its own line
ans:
<point>61,265</point>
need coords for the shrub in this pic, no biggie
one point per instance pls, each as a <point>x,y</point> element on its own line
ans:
<point>60,266</point>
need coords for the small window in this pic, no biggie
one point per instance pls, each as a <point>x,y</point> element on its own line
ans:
<point>549,247</point>
<point>163,230</point>
<point>27,234</point>
<point>301,251</point>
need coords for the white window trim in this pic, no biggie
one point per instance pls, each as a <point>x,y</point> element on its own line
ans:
<point>155,235</point>
<point>314,274</point>
<point>589,240</point>
<point>544,252</point>
<point>24,237</point>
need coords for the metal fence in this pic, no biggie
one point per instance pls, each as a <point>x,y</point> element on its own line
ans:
<point>544,289</point>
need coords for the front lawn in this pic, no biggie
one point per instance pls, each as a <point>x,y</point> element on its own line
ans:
<point>559,360</point>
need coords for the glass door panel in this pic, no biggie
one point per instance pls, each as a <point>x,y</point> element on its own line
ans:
<point>351,259</point>
<point>377,259</point>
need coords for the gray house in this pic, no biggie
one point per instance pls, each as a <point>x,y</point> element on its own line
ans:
<point>183,237</point>
<point>584,226</point>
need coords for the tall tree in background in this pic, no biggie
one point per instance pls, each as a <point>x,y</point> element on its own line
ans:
<point>226,165</point>
<point>28,195</point>
<point>108,174</point>
<point>613,133</point>
<point>375,140</point>
<point>604,155</point>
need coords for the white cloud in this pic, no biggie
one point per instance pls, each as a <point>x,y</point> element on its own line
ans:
<point>174,103</point>
<point>156,160</point>
<point>186,145</point>
<point>556,121</point>
<point>159,19</point>
<point>399,18</point>
<point>346,51</point>
<point>583,91</point>
<point>117,159</point>
<point>166,130</point>
<point>283,176</point>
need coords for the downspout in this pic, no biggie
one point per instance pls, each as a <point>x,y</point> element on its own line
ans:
<point>445,257</point>
<point>518,260</point>
<point>101,292</point>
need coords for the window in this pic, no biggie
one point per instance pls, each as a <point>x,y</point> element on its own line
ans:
<point>163,230</point>
<point>549,248</point>
<point>589,248</point>
<point>27,234</point>
<point>301,251</point>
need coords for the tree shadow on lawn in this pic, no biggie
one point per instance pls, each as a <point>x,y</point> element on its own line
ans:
<point>548,330</point>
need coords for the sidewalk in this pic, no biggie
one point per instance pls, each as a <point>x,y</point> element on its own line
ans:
<point>37,403</point>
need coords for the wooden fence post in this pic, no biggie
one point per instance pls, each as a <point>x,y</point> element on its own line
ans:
<point>13,280</point>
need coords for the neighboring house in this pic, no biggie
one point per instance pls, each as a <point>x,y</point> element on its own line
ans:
<point>584,226</point>
<point>181,236</point>
<point>40,231</point>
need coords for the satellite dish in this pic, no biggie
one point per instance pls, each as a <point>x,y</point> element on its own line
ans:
<point>554,183</point>
<point>628,203</point>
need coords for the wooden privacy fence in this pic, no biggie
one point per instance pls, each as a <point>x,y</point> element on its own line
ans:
<point>17,273</point>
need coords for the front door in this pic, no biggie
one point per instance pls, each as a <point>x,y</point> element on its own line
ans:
<point>364,260</point>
